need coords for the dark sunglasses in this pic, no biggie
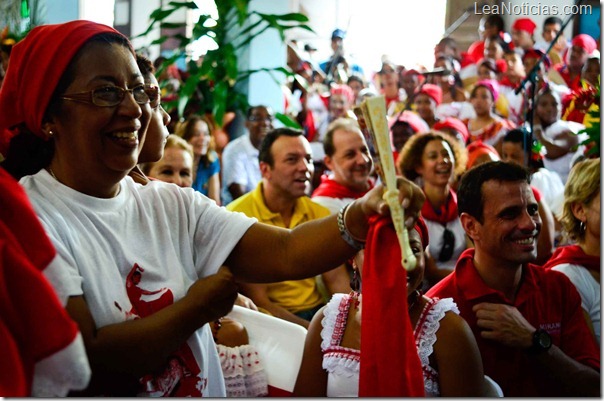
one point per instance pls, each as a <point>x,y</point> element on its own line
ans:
<point>448,246</point>
<point>111,96</point>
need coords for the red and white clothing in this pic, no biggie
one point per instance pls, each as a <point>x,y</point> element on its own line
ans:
<point>333,195</point>
<point>547,300</point>
<point>576,265</point>
<point>492,133</point>
<point>437,221</point>
<point>42,352</point>
<point>136,253</point>
<point>342,364</point>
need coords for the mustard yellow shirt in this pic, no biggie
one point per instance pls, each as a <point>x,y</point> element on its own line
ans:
<point>293,295</point>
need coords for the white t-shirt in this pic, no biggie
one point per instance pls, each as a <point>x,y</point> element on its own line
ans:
<point>240,165</point>
<point>551,187</point>
<point>589,290</point>
<point>167,236</point>
<point>563,164</point>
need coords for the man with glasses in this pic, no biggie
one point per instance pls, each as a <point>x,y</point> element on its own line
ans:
<point>240,169</point>
<point>528,321</point>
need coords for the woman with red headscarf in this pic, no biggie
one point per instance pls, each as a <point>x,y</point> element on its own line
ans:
<point>72,100</point>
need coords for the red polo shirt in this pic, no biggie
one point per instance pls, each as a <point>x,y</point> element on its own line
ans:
<point>547,301</point>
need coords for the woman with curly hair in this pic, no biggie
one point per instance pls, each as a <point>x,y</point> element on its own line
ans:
<point>435,160</point>
<point>581,220</point>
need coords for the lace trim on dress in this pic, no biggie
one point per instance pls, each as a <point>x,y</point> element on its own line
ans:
<point>425,338</point>
<point>337,359</point>
<point>244,374</point>
<point>335,315</point>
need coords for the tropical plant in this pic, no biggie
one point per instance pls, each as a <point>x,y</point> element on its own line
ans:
<point>17,17</point>
<point>211,86</point>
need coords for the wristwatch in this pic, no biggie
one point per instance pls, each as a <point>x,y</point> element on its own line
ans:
<point>542,341</point>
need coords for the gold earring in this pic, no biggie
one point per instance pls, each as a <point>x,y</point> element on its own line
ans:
<point>50,133</point>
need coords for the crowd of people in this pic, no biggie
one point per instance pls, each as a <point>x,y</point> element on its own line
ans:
<point>151,231</point>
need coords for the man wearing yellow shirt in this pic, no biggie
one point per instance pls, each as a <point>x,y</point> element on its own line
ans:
<point>280,199</point>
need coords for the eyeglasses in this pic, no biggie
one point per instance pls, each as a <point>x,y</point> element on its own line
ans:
<point>448,246</point>
<point>111,96</point>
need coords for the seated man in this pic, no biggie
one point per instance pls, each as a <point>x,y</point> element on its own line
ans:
<point>279,199</point>
<point>350,165</point>
<point>528,321</point>
<point>240,171</point>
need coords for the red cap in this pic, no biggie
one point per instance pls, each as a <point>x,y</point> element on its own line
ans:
<point>476,50</point>
<point>585,42</point>
<point>524,24</point>
<point>455,124</point>
<point>433,91</point>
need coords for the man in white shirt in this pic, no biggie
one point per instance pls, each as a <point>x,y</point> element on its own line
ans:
<point>240,169</point>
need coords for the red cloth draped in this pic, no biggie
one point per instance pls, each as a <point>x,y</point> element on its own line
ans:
<point>33,323</point>
<point>333,189</point>
<point>573,254</point>
<point>446,213</point>
<point>389,365</point>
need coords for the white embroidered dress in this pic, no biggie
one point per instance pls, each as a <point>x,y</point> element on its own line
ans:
<point>343,364</point>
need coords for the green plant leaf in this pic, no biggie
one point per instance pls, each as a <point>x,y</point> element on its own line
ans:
<point>292,17</point>
<point>188,4</point>
<point>173,25</point>
<point>160,14</point>
<point>287,121</point>
<point>160,40</point>
<point>220,99</point>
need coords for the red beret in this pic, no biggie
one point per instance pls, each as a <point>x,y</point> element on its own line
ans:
<point>36,65</point>
<point>585,42</point>
<point>524,24</point>
<point>433,91</point>
<point>536,53</point>
<point>455,124</point>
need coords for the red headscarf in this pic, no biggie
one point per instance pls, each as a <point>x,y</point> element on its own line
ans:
<point>455,124</point>
<point>536,53</point>
<point>414,120</point>
<point>344,90</point>
<point>491,85</point>
<point>525,24</point>
<point>390,366</point>
<point>433,91</point>
<point>37,63</point>
<point>585,42</point>
<point>479,148</point>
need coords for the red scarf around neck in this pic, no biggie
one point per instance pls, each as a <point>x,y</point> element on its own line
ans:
<point>573,254</point>
<point>332,189</point>
<point>446,213</point>
<point>390,366</point>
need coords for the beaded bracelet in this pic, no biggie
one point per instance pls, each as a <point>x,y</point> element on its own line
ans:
<point>345,234</point>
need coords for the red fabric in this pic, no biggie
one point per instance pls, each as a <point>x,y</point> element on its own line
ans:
<point>585,42</point>
<point>455,124</point>
<point>574,84</point>
<point>33,323</point>
<point>502,66</point>
<point>445,214</point>
<point>433,91</point>
<point>573,254</point>
<point>536,194</point>
<point>476,51</point>
<point>333,189</point>
<point>524,24</point>
<point>390,366</point>
<point>479,148</point>
<point>536,54</point>
<point>344,90</point>
<point>35,69</point>
<point>309,124</point>
<point>547,300</point>
<point>413,119</point>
